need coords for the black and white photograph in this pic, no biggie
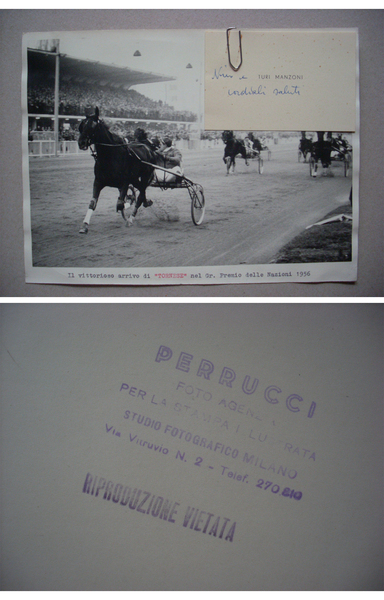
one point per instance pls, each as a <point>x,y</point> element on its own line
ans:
<point>123,184</point>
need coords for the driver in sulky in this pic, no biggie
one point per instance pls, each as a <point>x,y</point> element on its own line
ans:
<point>173,163</point>
<point>248,146</point>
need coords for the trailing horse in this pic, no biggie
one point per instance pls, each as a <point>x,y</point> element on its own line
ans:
<point>305,147</point>
<point>235,147</point>
<point>118,164</point>
<point>320,152</point>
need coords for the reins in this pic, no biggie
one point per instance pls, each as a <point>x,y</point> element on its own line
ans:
<point>111,145</point>
<point>155,166</point>
<point>130,151</point>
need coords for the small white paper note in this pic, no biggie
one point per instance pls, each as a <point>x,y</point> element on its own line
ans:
<point>288,80</point>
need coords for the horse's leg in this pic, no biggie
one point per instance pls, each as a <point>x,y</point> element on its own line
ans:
<point>121,199</point>
<point>97,187</point>
<point>141,199</point>
<point>145,181</point>
<point>131,194</point>
<point>141,183</point>
<point>326,162</point>
<point>146,203</point>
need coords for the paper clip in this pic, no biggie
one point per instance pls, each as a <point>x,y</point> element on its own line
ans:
<point>240,49</point>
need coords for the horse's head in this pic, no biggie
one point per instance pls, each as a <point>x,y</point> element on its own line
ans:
<point>87,129</point>
<point>227,136</point>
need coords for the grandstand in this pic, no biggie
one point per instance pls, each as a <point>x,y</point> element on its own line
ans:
<point>83,84</point>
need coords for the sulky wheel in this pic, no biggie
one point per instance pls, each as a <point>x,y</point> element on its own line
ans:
<point>197,204</point>
<point>261,165</point>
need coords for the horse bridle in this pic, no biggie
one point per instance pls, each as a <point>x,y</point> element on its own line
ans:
<point>126,145</point>
<point>88,139</point>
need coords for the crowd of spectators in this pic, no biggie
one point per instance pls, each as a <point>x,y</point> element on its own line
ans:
<point>126,129</point>
<point>68,134</point>
<point>40,99</point>
<point>76,99</point>
<point>156,130</point>
<point>211,136</point>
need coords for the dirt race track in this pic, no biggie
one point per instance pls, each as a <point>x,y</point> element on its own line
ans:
<point>249,216</point>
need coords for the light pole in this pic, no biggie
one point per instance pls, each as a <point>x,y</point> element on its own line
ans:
<point>56,97</point>
<point>199,120</point>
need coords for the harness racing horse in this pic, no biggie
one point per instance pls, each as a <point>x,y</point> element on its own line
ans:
<point>305,147</point>
<point>321,151</point>
<point>118,165</point>
<point>233,147</point>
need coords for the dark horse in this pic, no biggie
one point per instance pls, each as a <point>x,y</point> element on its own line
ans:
<point>321,151</point>
<point>233,147</point>
<point>305,147</point>
<point>119,164</point>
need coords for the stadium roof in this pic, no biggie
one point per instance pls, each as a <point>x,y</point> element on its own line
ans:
<point>86,71</point>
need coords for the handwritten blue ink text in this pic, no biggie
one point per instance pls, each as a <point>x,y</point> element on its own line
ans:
<point>218,74</point>
<point>248,91</point>
<point>286,90</point>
